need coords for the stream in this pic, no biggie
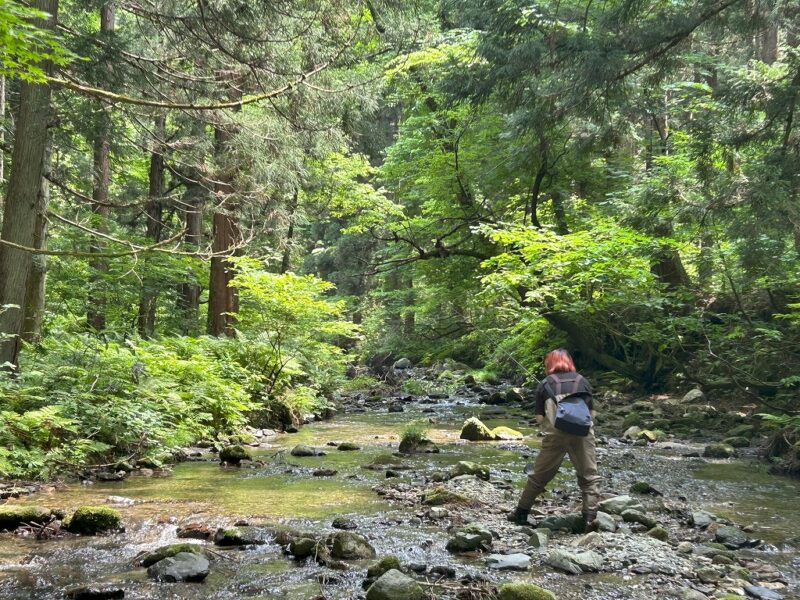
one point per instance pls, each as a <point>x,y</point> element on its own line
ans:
<point>281,488</point>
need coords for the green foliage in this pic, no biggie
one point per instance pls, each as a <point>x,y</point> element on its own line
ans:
<point>413,432</point>
<point>25,45</point>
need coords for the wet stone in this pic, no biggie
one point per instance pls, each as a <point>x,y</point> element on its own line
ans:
<point>575,563</point>
<point>443,571</point>
<point>344,523</point>
<point>95,592</point>
<point>509,562</point>
<point>198,531</point>
<point>702,519</point>
<point>348,545</point>
<point>732,537</point>
<point>762,593</point>
<point>619,504</point>
<point>394,585</point>
<point>303,450</point>
<point>184,566</point>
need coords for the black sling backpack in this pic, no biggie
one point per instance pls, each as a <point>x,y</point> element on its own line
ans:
<point>572,412</point>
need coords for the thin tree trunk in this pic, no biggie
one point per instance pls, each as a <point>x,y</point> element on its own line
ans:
<point>23,197</point>
<point>146,321</point>
<point>96,312</point>
<point>189,291</point>
<point>2,127</point>
<point>560,213</point>
<point>37,278</point>
<point>287,251</point>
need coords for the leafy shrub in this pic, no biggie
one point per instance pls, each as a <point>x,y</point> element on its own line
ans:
<point>414,432</point>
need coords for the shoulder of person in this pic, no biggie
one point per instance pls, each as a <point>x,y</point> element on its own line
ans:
<point>585,382</point>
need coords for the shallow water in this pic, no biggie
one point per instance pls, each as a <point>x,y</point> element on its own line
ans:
<point>283,489</point>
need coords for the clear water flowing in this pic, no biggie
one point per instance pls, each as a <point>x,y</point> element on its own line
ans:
<point>284,490</point>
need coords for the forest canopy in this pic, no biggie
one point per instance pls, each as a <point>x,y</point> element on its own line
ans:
<point>211,208</point>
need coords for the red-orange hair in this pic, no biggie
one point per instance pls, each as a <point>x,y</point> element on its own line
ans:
<point>558,361</point>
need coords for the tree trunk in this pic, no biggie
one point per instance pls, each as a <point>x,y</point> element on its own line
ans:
<point>96,313</point>
<point>189,291</point>
<point>146,321</point>
<point>22,199</point>
<point>37,278</point>
<point>223,300</point>
<point>287,251</point>
<point>560,213</point>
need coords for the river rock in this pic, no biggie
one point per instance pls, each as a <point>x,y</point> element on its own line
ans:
<point>184,566</point>
<point>732,537</point>
<point>403,363</point>
<point>693,397</point>
<point>635,516</point>
<point>539,538</point>
<point>303,450</point>
<point>471,537</point>
<point>344,523</point>
<point>95,592</point>
<point>234,454</point>
<point>506,434</point>
<point>470,468</point>
<point>719,451</point>
<point>701,519</point>
<point>605,522</point>
<point>515,395</point>
<point>523,591</point>
<point>659,533</point>
<point>387,563</point>
<point>303,547</point>
<point>394,585</point>
<point>160,554</point>
<point>91,520</point>
<point>737,442</point>
<point>475,431</point>
<point>348,447</point>
<point>509,562</point>
<point>198,531</point>
<point>762,593</point>
<point>632,432</point>
<point>242,536</point>
<point>437,513</point>
<point>495,398</point>
<point>590,540</point>
<point>324,472</point>
<point>619,504</point>
<point>575,562</point>
<point>12,517</point>
<point>573,523</point>
<point>685,548</point>
<point>347,545</point>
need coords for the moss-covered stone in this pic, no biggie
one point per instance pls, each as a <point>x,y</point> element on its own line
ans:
<point>440,495</point>
<point>12,517</point>
<point>506,433</point>
<point>719,451</point>
<point>234,454</point>
<point>737,442</point>
<point>474,430</point>
<point>387,563</point>
<point>348,545</point>
<point>659,533</point>
<point>348,447</point>
<point>465,467</point>
<point>150,462</point>
<point>523,591</point>
<point>91,520</point>
<point>242,536</point>
<point>643,488</point>
<point>304,547</point>
<point>631,419</point>
<point>153,557</point>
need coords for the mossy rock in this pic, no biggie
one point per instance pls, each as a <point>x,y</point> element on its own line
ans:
<point>523,591</point>
<point>12,517</point>
<point>465,467</point>
<point>440,495</point>
<point>506,433</point>
<point>659,533</point>
<point>242,536</point>
<point>242,438</point>
<point>153,557</point>
<point>744,430</point>
<point>632,418</point>
<point>149,462</point>
<point>737,442</point>
<point>719,451</point>
<point>474,430</point>
<point>643,488</point>
<point>348,447</point>
<point>387,563</point>
<point>304,547</point>
<point>91,520</point>
<point>234,454</point>
<point>348,545</point>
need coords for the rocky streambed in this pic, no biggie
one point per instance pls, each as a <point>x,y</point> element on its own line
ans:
<point>346,510</point>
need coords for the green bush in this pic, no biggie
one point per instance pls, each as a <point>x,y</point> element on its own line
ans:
<point>413,432</point>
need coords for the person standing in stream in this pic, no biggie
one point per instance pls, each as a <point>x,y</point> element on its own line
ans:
<point>565,413</point>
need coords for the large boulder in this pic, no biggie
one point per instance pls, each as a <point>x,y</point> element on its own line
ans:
<point>523,591</point>
<point>304,547</point>
<point>470,468</point>
<point>91,520</point>
<point>509,562</point>
<point>575,563</point>
<point>12,517</point>
<point>303,450</point>
<point>619,504</point>
<point>394,585</point>
<point>184,566</point>
<point>234,454</point>
<point>474,430</point>
<point>348,545</point>
<point>160,554</point>
<point>387,563</point>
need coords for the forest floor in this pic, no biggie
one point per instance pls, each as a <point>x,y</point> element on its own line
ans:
<point>677,524</point>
